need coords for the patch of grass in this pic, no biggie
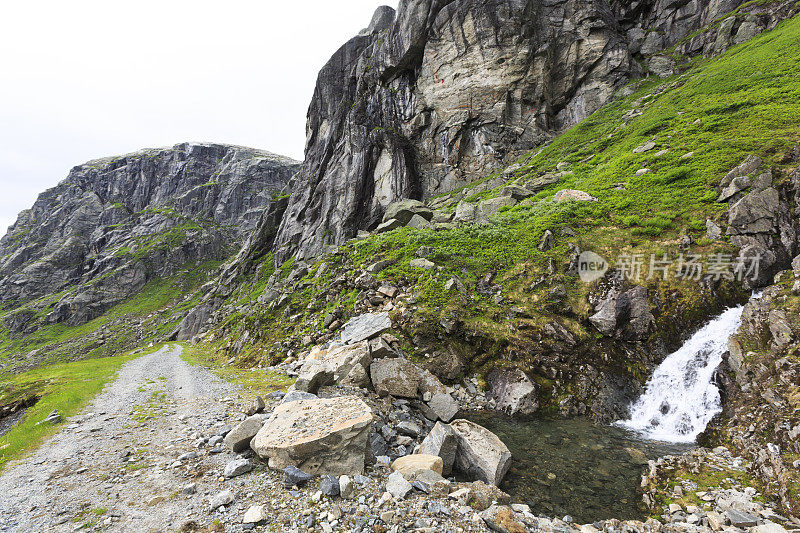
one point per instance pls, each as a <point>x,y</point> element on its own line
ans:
<point>67,387</point>
<point>255,380</point>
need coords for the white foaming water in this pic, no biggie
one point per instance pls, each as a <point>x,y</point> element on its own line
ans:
<point>680,399</point>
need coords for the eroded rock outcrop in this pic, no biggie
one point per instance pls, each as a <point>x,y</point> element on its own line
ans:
<point>444,91</point>
<point>115,223</point>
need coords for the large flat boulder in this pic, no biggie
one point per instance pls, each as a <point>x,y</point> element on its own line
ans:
<point>345,365</point>
<point>365,327</point>
<point>323,436</point>
<point>480,453</point>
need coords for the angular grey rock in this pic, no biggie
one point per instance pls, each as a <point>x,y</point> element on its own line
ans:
<point>238,467</point>
<point>513,391</point>
<point>256,406</point>
<point>444,406</point>
<point>466,212</point>
<point>548,241</point>
<point>406,427</point>
<point>422,263</point>
<point>480,453</point>
<point>365,327</point>
<point>239,437</point>
<point>741,519</point>
<point>389,225</point>
<point>441,441</point>
<point>417,222</point>
<point>565,195</point>
<point>713,231</point>
<point>516,192</point>
<point>396,377</point>
<point>329,485</point>
<point>346,487</point>
<point>492,206</point>
<point>318,436</point>
<point>405,210</point>
<point>398,486</point>
<point>296,395</point>
<point>338,366</point>
<point>226,497</point>
<point>293,476</point>
<point>53,418</point>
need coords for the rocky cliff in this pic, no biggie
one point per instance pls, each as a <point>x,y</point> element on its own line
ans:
<point>114,223</point>
<point>442,92</point>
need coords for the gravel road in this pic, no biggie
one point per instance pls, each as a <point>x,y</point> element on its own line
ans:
<point>155,411</point>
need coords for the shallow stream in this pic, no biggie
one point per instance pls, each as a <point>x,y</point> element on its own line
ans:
<point>575,467</point>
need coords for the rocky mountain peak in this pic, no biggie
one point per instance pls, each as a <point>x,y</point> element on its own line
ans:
<point>114,223</point>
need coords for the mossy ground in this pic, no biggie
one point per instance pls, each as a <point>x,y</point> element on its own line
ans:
<point>67,387</point>
<point>148,316</point>
<point>708,119</point>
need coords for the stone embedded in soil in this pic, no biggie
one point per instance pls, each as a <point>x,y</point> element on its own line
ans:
<point>238,467</point>
<point>319,436</point>
<point>226,497</point>
<point>346,487</point>
<point>293,476</point>
<point>398,486</point>
<point>255,514</point>
<point>480,453</point>
<point>329,486</point>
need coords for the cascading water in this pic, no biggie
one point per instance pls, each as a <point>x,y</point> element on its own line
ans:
<point>680,399</point>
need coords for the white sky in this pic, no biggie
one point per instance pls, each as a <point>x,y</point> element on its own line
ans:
<point>82,79</point>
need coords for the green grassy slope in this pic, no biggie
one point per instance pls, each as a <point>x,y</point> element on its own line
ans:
<point>709,119</point>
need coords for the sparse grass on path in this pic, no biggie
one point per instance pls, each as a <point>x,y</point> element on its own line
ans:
<point>68,387</point>
<point>254,380</point>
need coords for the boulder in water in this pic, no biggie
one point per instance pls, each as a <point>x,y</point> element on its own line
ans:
<point>480,453</point>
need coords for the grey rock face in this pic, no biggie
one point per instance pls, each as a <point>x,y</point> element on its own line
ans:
<point>115,223</point>
<point>239,437</point>
<point>238,467</point>
<point>514,392</point>
<point>364,327</point>
<point>441,441</point>
<point>480,453</point>
<point>446,91</point>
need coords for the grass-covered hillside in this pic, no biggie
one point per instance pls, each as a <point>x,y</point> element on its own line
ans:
<point>701,124</point>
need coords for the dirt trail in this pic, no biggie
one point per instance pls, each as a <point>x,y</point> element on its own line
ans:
<point>154,411</point>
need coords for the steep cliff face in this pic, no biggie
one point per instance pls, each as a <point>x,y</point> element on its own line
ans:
<point>114,223</point>
<point>442,92</point>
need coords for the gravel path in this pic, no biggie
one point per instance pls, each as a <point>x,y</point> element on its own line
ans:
<point>153,411</point>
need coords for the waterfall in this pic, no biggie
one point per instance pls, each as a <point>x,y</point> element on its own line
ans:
<point>680,399</point>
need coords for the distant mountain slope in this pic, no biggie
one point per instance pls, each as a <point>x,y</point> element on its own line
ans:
<point>115,223</point>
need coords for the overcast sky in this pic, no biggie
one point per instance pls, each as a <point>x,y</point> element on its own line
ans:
<point>85,79</point>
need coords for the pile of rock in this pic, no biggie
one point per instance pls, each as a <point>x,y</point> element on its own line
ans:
<point>720,508</point>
